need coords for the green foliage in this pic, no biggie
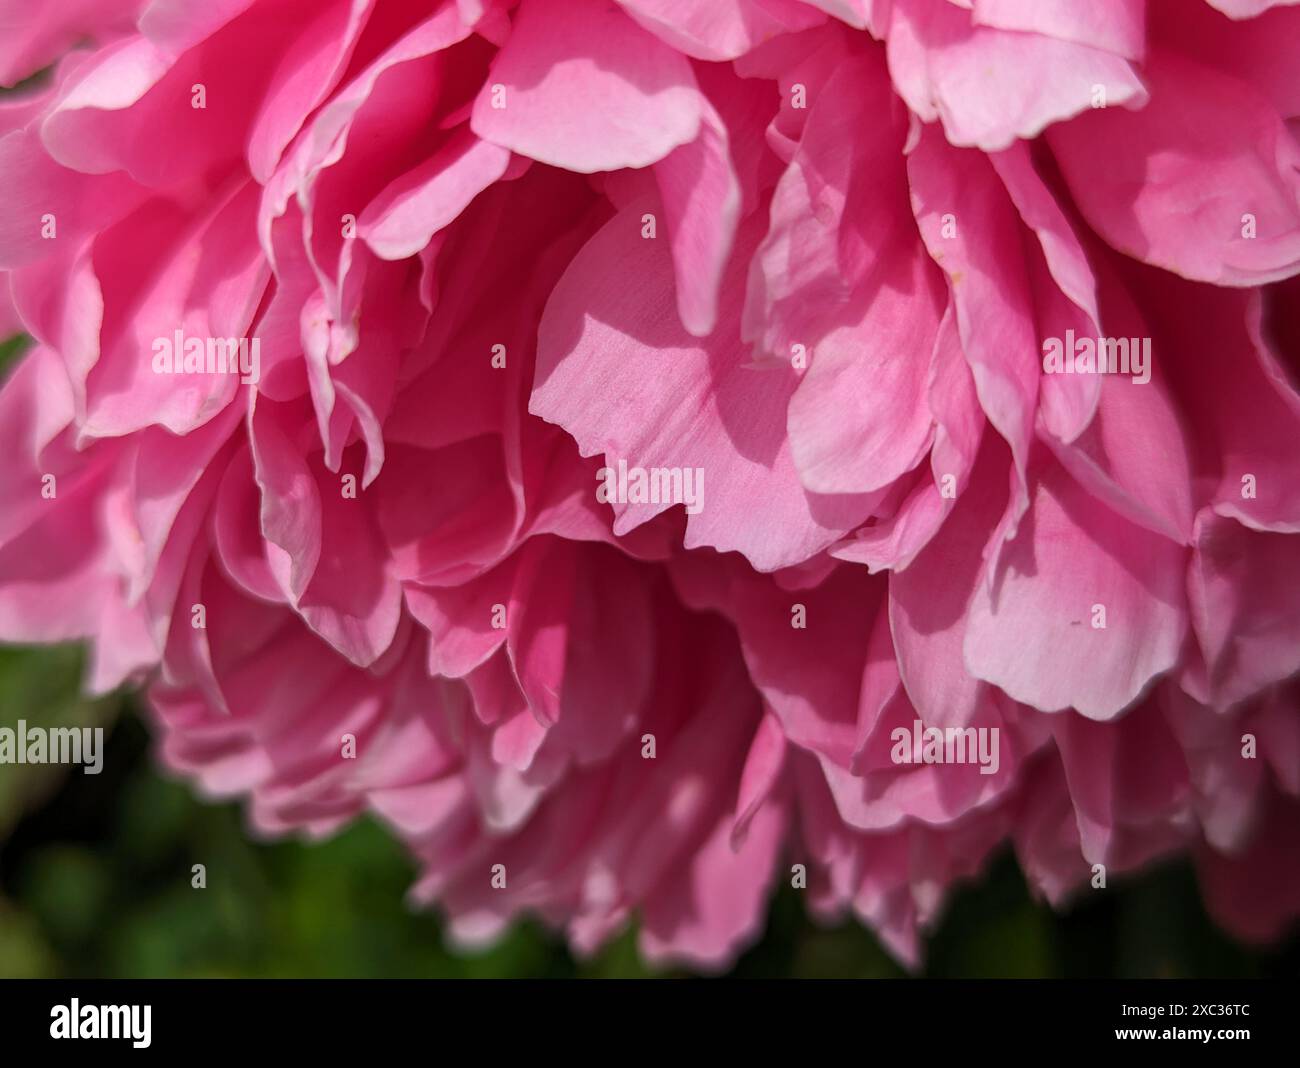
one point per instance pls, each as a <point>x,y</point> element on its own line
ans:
<point>10,350</point>
<point>41,688</point>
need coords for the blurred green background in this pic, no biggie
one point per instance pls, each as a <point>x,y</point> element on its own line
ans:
<point>95,882</point>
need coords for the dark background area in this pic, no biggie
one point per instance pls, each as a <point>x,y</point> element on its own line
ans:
<point>95,881</point>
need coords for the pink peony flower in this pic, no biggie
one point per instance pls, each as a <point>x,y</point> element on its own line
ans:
<point>677,446</point>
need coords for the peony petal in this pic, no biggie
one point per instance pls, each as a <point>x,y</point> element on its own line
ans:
<point>720,29</point>
<point>1035,629</point>
<point>1185,171</point>
<point>1244,614</point>
<point>617,372</point>
<point>989,86</point>
<point>701,198</point>
<point>1110,25</point>
<point>401,221</point>
<point>563,55</point>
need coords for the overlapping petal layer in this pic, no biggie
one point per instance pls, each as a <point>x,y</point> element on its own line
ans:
<point>634,437</point>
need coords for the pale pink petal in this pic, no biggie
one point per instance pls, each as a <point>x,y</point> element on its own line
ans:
<point>563,56</point>
<point>1184,172</point>
<point>1111,25</point>
<point>701,198</point>
<point>1035,627</point>
<point>720,29</point>
<point>989,86</point>
<point>628,382</point>
<point>413,208</point>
